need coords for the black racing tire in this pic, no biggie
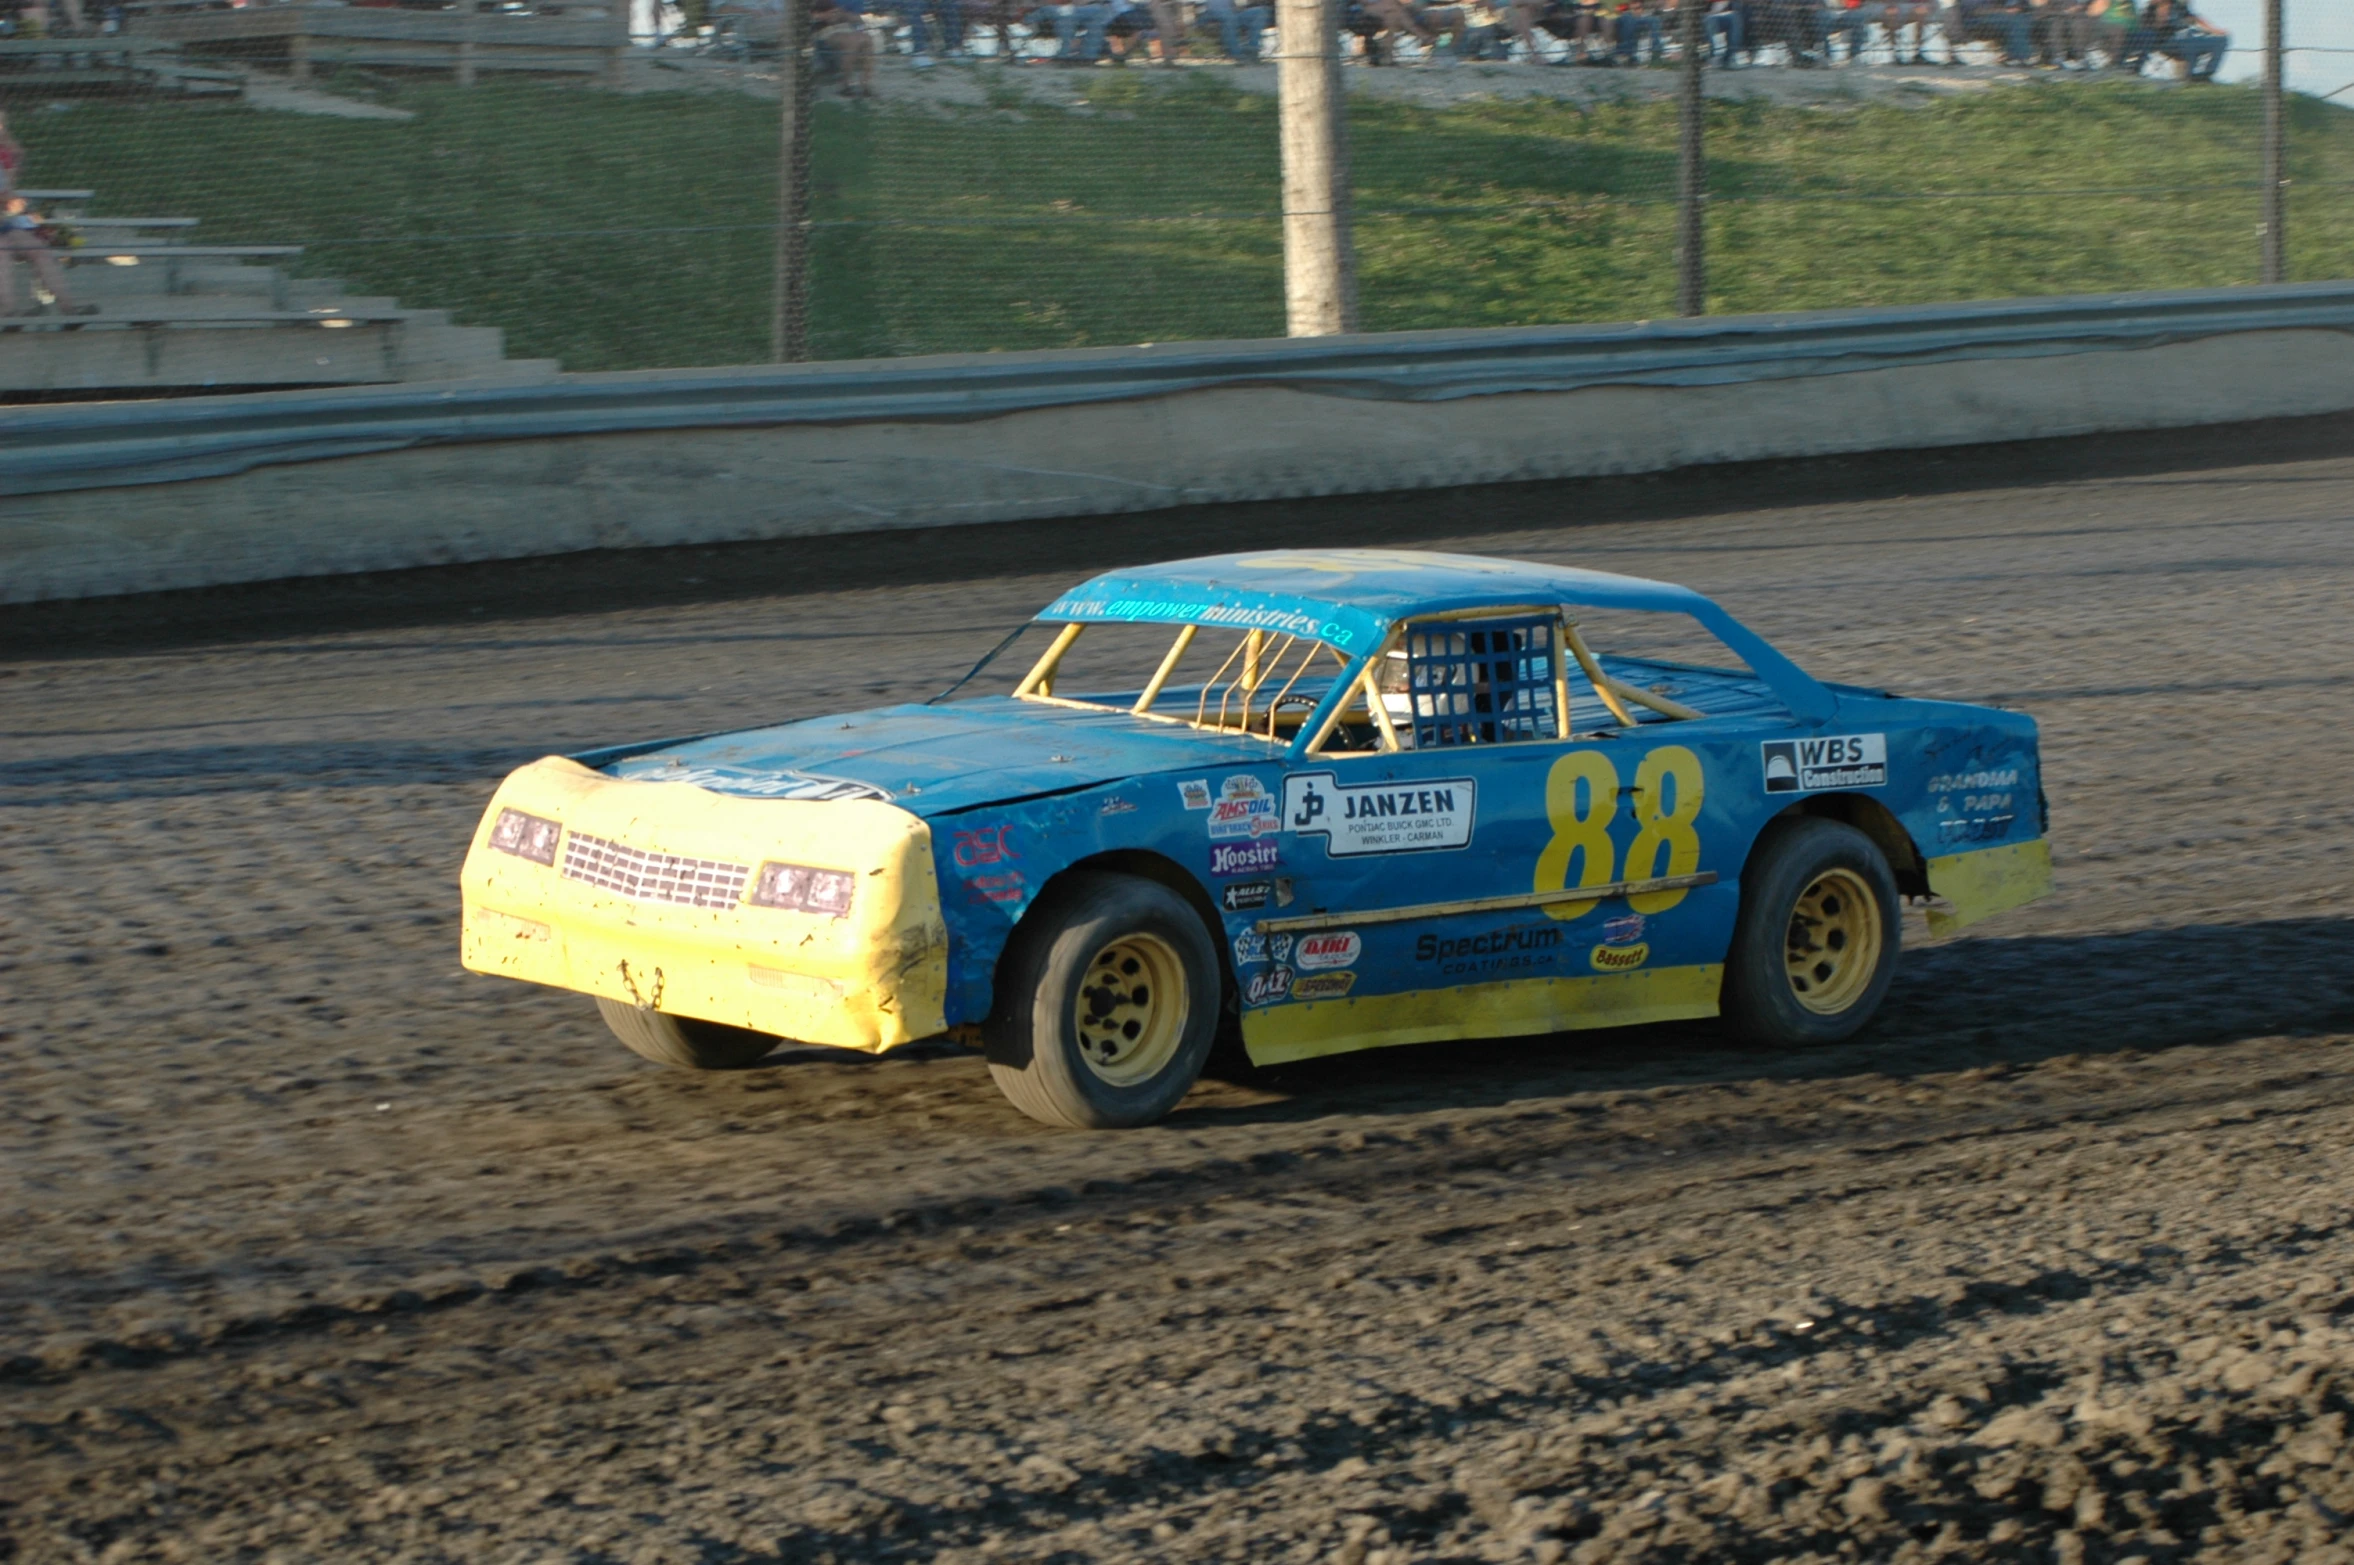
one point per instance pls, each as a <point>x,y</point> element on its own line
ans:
<point>1108,999</point>
<point>1816,942</point>
<point>684,1041</point>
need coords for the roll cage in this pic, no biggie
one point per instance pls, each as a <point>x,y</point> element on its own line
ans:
<point>1461,677</point>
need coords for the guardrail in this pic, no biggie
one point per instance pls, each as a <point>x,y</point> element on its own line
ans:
<point>47,449</point>
<point>143,496</point>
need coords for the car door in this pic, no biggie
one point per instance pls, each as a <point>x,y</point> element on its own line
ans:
<point>1429,882</point>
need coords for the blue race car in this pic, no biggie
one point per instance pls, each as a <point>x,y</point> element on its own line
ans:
<point>1329,801</point>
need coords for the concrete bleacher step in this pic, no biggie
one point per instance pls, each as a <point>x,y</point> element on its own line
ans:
<point>220,321</point>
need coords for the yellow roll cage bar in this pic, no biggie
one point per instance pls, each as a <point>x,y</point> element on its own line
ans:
<point>1260,660</point>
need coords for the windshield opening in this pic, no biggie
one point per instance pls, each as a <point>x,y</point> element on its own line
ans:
<point>1258,682</point>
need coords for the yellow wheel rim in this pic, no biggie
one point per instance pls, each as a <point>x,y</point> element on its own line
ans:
<point>1835,942</point>
<point>1130,1013</point>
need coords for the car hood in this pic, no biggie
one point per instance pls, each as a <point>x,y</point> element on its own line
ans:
<point>931,760</point>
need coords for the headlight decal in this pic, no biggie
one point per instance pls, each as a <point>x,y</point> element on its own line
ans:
<point>526,836</point>
<point>800,888</point>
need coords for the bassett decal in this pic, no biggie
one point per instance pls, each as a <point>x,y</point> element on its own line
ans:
<point>1322,986</point>
<point>1618,959</point>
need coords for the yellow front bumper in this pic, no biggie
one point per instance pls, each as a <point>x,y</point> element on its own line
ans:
<point>874,978</point>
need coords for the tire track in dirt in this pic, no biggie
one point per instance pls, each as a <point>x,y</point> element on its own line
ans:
<point>325,1250</point>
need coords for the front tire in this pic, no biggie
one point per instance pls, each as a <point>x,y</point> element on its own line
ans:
<point>1107,1004</point>
<point>1815,946</point>
<point>685,1041</point>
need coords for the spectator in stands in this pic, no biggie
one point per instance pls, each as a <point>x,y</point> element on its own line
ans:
<point>1893,17</point>
<point>838,29</point>
<point>948,15</point>
<point>22,239</point>
<point>1428,23</point>
<point>2065,34</point>
<point>2010,23</point>
<point>2113,22</point>
<point>1723,29</point>
<point>1239,28</point>
<point>2174,30</point>
<point>1638,21</point>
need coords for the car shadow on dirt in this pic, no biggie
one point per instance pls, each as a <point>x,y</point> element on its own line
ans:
<point>1964,1004</point>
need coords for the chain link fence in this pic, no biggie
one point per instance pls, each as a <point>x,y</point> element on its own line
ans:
<point>1033,179</point>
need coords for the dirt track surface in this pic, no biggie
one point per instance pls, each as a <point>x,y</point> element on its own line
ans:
<point>321,1249</point>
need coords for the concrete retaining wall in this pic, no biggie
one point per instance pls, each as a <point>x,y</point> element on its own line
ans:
<point>505,498</point>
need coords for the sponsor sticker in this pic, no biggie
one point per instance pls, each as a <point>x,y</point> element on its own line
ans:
<point>776,783</point>
<point>1837,761</point>
<point>1358,819</point>
<point>1322,986</point>
<point>1244,858</point>
<point>1268,987</point>
<point>1251,948</point>
<point>1623,931</point>
<point>1330,948</point>
<point>1244,895</point>
<point>1118,807</point>
<point>1491,950</point>
<point>1619,959</point>
<point>1243,808</point>
<point>1960,782</point>
<point>1195,794</point>
<point>1007,887</point>
<point>987,845</point>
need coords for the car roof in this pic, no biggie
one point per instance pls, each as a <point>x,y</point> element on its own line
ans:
<point>1348,597</point>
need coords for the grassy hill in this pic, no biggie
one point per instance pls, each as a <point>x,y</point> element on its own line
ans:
<point>621,232</point>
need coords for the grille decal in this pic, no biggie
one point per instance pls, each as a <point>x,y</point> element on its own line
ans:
<point>652,877</point>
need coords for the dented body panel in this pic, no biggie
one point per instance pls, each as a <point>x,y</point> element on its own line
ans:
<point>1359,900</point>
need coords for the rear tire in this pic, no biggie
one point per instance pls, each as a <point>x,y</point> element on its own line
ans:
<point>1108,1002</point>
<point>1815,945</point>
<point>684,1041</point>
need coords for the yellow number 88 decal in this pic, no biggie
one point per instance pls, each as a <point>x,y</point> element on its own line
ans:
<point>1668,791</point>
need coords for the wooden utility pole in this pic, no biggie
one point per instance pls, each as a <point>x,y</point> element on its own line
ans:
<point>1319,252</point>
<point>1692,168</point>
<point>2276,151</point>
<point>788,334</point>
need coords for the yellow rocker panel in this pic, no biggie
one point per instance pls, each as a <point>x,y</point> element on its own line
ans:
<point>873,979</point>
<point>1512,1007</point>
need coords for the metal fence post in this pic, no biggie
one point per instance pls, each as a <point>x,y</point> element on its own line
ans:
<point>788,334</point>
<point>2276,151</point>
<point>1692,174</point>
<point>1319,251</point>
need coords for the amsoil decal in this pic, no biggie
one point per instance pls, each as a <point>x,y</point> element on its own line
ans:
<point>1618,959</point>
<point>1840,761</point>
<point>1322,986</point>
<point>1359,819</point>
<point>1268,987</point>
<point>1244,858</point>
<point>1336,948</point>
<point>1195,794</point>
<point>1243,808</point>
<point>985,846</point>
<point>1244,895</point>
